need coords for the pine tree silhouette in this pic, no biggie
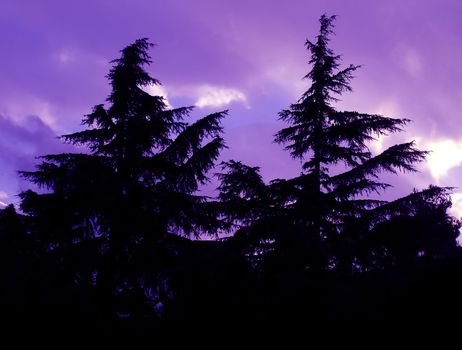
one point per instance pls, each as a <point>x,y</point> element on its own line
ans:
<point>326,136</point>
<point>315,220</point>
<point>134,188</point>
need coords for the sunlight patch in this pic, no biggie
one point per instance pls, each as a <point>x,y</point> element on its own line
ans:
<point>445,155</point>
<point>212,96</point>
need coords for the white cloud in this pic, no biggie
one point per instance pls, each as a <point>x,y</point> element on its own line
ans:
<point>445,155</point>
<point>157,90</point>
<point>213,96</point>
<point>456,208</point>
<point>3,205</point>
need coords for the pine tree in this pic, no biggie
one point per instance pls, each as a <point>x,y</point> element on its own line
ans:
<point>317,219</point>
<point>322,136</point>
<point>134,185</point>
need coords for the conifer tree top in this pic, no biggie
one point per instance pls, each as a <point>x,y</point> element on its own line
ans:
<point>322,135</point>
<point>128,70</point>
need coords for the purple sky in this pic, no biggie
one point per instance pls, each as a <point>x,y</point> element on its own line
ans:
<point>244,55</point>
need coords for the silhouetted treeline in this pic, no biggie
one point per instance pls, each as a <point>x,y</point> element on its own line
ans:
<point>114,239</point>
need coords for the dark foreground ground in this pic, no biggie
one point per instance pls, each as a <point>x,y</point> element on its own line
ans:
<point>217,287</point>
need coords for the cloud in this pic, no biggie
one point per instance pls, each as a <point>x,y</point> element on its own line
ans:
<point>445,155</point>
<point>213,96</point>
<point>456,208</point>
<point>3,195</point>
<point>204,95</point>
<point>20,112</point>
<point>20,143</point>
<point>158,90</point>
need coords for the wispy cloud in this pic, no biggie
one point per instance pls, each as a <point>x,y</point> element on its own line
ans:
<point>33,106</point>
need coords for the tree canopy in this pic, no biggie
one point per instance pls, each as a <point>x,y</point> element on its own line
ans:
<point>136,185</point>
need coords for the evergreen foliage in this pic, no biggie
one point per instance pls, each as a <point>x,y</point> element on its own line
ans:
<point>135,187</point>
<point>314,220</point>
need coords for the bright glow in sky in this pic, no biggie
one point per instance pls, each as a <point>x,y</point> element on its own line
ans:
<point>445,155</point>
